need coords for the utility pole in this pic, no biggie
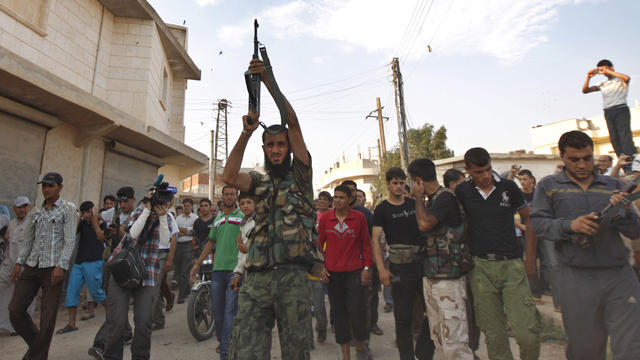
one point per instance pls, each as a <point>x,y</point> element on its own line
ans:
<point>379,155</point>
<point>381,126</point>
<point>211,162</point>
<point>400,112</point>
<point>220,142</point>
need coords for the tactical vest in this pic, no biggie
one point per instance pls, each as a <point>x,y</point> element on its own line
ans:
<point>447,254</point>
<point>285,226</point>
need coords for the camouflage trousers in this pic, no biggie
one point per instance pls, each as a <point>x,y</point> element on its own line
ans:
<point>447,313</point>
<point>282,294</point>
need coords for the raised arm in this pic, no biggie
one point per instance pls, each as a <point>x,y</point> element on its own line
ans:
<point>231,174</point>
<point>621,76</point>
<point>586,88</point>
<point>296,141</point>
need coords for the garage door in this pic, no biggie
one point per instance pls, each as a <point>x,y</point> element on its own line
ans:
<point>122,170</point>
<point>21,147</point>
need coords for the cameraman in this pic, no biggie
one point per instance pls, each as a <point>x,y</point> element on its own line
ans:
<point>119,297</point>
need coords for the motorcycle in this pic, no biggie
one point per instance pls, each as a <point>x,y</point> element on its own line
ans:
<point>200,305</point>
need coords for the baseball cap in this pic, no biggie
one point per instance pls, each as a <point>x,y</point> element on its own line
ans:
<point>21,200</point>
<point>126,193</point>
<point>51,178</point>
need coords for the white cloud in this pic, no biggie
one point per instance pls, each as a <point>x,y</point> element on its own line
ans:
<point>504,29</point>
<point>207,2</point>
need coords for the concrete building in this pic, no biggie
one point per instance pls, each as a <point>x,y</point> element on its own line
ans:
<point>545,137</point>
<point>94,90</point>
<point>363,171</point>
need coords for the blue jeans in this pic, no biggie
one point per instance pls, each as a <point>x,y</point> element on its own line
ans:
<point>225,307</point>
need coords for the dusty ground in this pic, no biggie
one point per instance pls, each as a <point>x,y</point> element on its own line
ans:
<point>175,342</point>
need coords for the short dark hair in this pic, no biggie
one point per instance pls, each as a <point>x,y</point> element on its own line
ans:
<point>604,62</point>
<point>477,156</point>
<point>229,187</point>
<point>86,206</point>
<point>451,175</point>
<point>275,130</point>
<point>326,195</point>
<point>424,168</point>
<point>343,188</point>
<point>109,197</point>
<point>395,173</point>
<point>406,187</point>
<point>350,183</point>
<point>575,139</point>
<point>187,200</point>
<point>179,207</point>
<point>528,173</point>
<point>363,193</point>
<point>205,200</point>
<point>245,195</point>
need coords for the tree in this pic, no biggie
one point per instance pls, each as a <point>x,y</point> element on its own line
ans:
<point>423,143</point>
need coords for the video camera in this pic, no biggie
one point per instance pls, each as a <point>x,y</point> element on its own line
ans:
<point>161,192</point>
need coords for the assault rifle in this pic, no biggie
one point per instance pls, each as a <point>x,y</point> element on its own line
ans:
<point>608,215</point>
<point>253,84</point>
<point>253,80</point>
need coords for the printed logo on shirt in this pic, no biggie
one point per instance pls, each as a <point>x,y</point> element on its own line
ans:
<point>342,230</point>
<point>506,201</point>
<point>231,220</point>
<point>403,213</point>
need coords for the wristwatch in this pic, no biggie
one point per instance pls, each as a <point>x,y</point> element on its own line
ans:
<point>366,268</point>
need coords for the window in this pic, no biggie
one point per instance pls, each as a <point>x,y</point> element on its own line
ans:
<point>165,89</point>
<point>31,13</point>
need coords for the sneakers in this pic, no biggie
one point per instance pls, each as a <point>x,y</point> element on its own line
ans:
<point>96,352</point>
<point>322,336</point>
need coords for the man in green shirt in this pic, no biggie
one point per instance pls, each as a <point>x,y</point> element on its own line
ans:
<point>223,235</point>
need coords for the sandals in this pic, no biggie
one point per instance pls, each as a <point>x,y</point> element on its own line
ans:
<point>87,317</point>
<point>66,329</point>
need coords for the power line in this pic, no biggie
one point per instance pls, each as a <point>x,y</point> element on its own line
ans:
<point>406,29</point>
<point>418,33</point>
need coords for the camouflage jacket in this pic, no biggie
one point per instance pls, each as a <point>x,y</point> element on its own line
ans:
<point>285,220</point>
<point>447,254</point>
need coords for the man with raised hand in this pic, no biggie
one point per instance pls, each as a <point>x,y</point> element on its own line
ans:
<point>281,250</point>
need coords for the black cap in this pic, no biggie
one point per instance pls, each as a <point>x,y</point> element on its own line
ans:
<point>51,178</point>
<point>126,193</point>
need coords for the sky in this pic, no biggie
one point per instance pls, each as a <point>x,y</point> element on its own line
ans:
<point>496,67</point>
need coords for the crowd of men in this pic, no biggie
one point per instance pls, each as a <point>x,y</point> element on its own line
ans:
<point>456,259</point>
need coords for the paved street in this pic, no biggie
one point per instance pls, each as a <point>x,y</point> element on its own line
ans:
<point>176,342</point>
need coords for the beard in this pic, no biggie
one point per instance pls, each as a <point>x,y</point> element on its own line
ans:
<point>279,170</point>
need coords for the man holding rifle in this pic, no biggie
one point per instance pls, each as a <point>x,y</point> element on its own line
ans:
<point>280,247</point>
<point>600,292</point>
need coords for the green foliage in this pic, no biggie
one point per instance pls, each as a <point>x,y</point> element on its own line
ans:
<point>423,143</point>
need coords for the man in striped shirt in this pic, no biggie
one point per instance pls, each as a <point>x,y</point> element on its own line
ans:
<point>45,255</point>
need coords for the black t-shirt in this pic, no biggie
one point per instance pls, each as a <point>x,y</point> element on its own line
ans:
<point>528,196</point>
<point>89,247</point>
<point>201,230</point>
<point>398,222</point>
<point>491,222</point>
<point>445,208</point>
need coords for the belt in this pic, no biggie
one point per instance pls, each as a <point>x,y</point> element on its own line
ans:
<point>163,250</point>
<point>496,257</point>
<point>184,242</point>
<point>280,267</point>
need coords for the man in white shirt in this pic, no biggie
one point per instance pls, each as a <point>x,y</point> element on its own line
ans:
<point>184,249</point>
<point>614,101</point>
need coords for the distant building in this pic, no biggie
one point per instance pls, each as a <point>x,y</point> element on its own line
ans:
<point>363,171</point>
<point>545,137</point>
<point>92,89</point>
<point>540,165</point>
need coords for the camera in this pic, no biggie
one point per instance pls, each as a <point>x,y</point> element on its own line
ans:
<point>160,192</point>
